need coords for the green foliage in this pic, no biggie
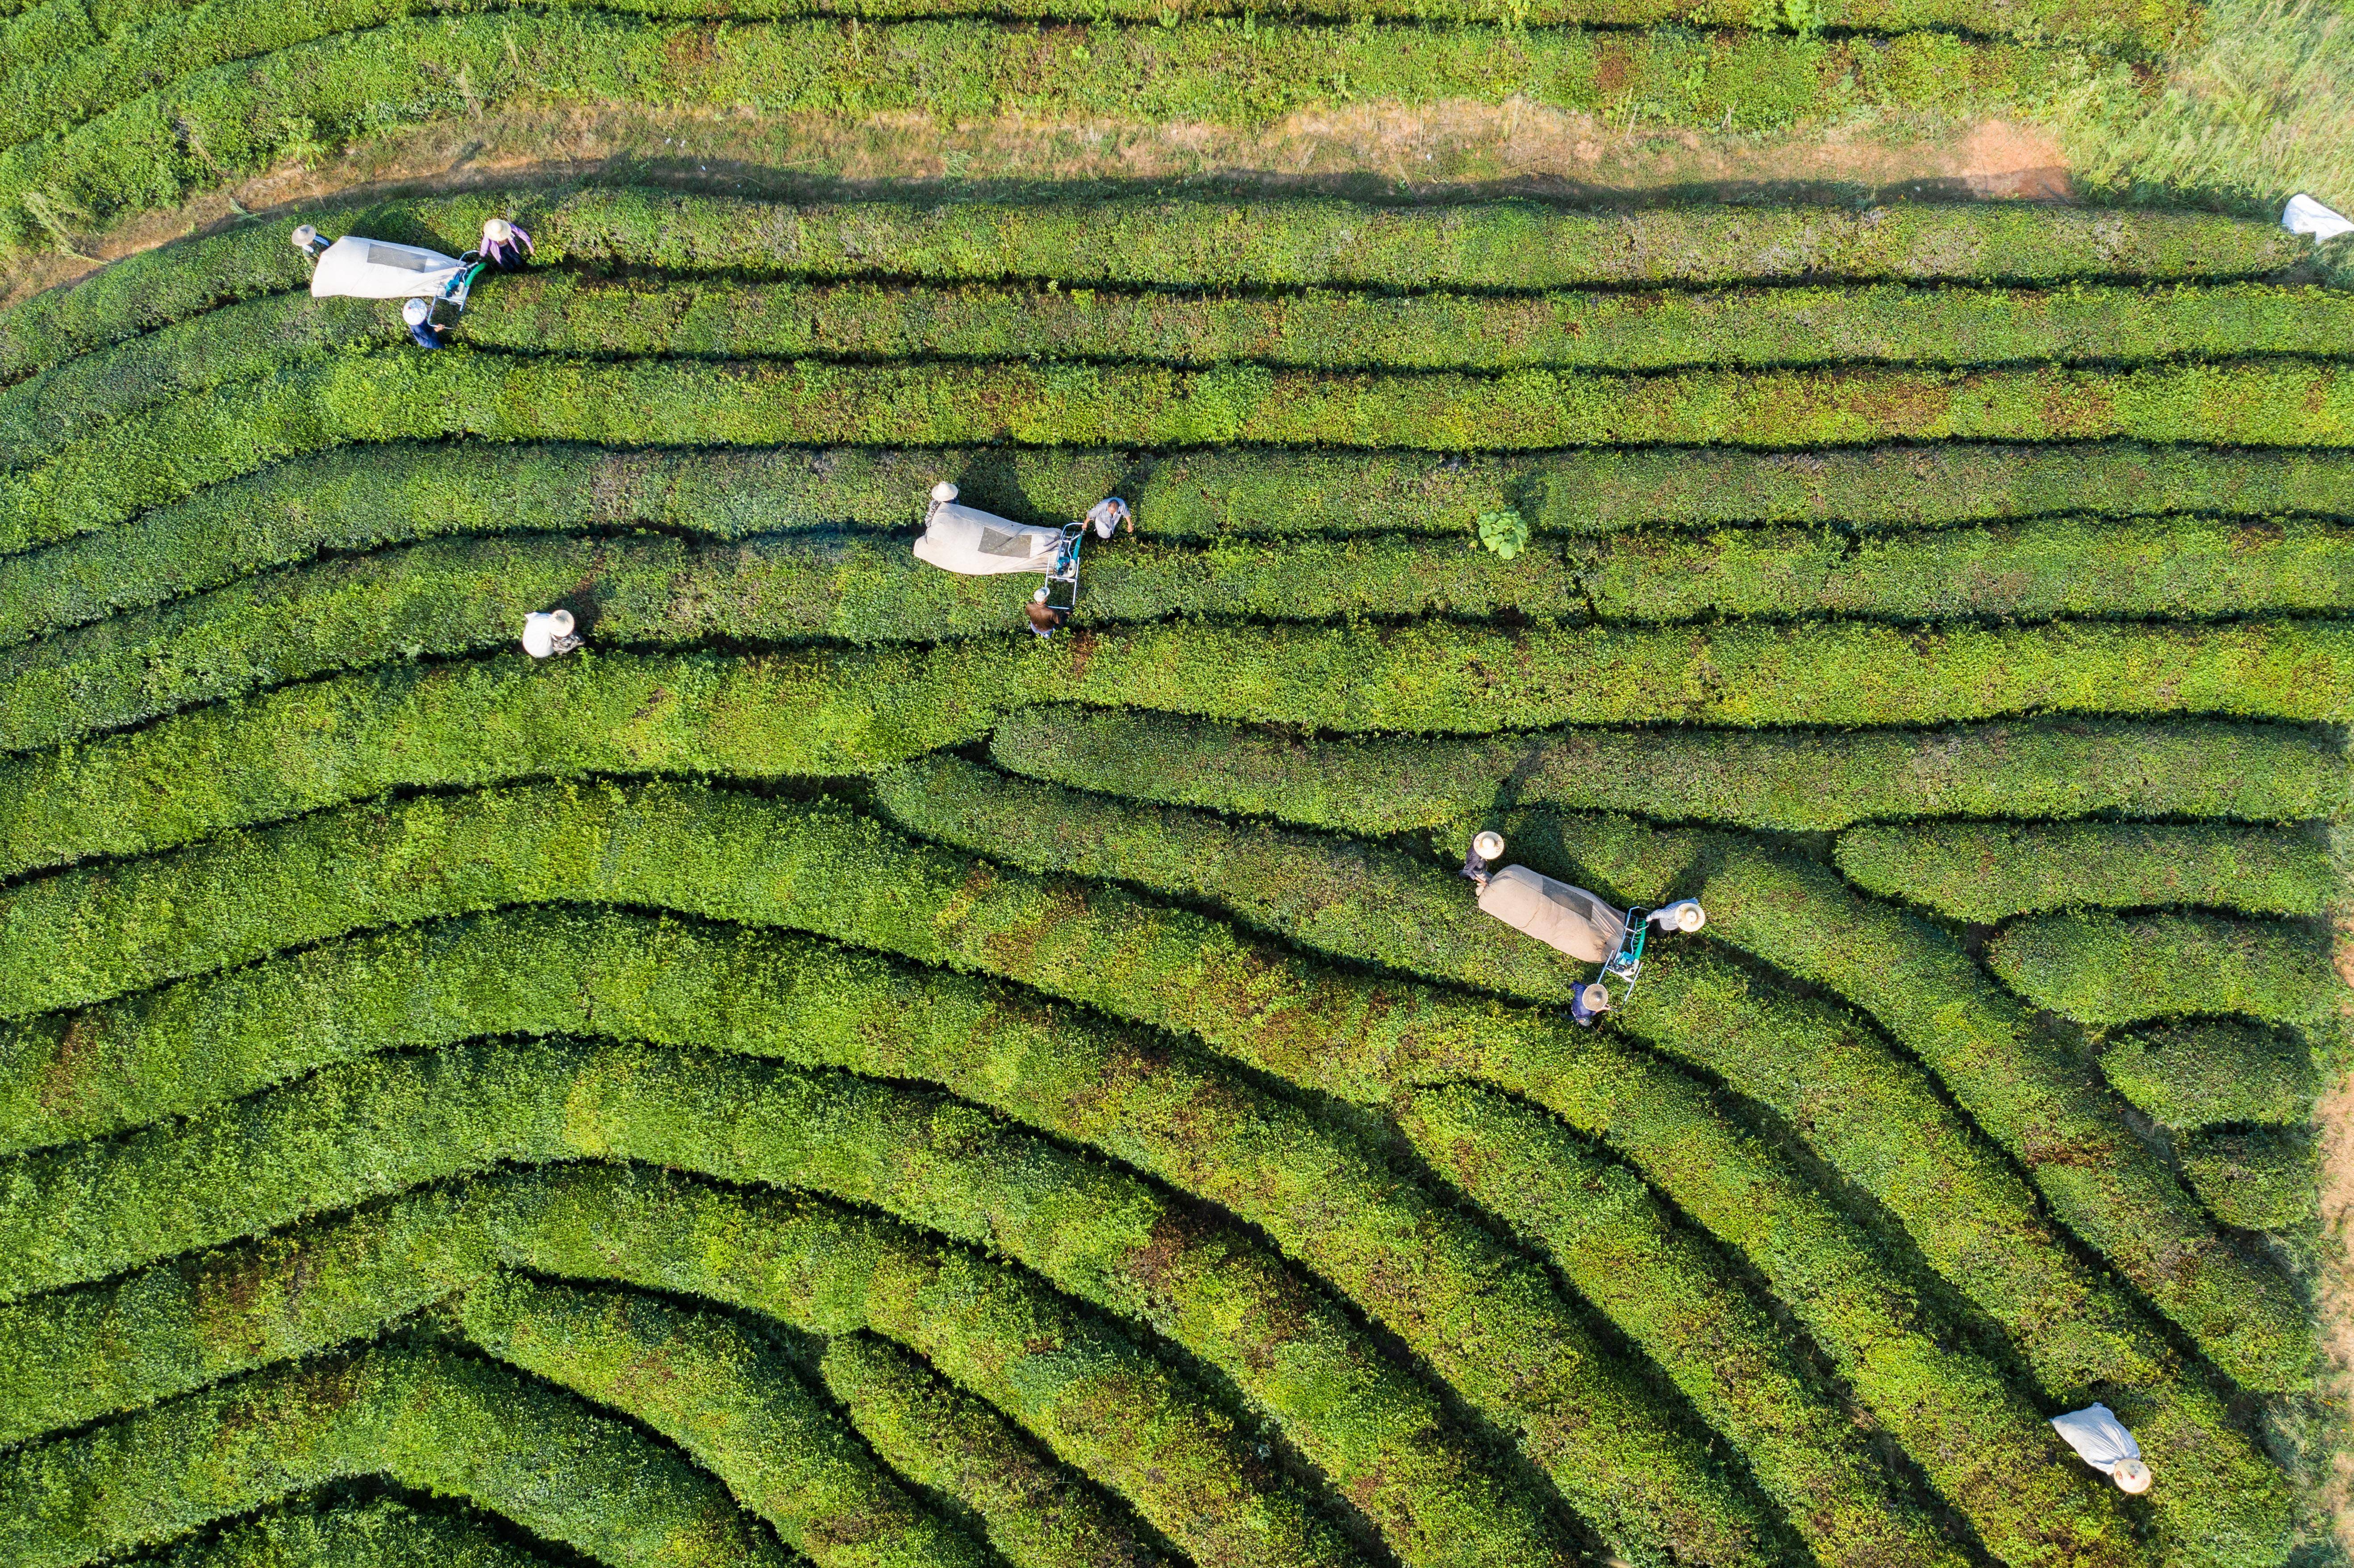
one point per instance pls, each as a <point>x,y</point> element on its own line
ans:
<point>808,1264</point>
<point>2108,969</point>
<point>1793,780</point>
<point>1506,534</point>
<point>1986,872</point>
<point>2213,1070</point>
<point>379,1533</point>
<point>104,478</point>
<point>1122,238</point>
<point>563,313</point>
<point>1036,1513</point>
<point>1486,1320</point>
<point>730,1397</point>
<point>1874,1117</point>
<point>2041,1104</point>
<point>391,1122</point>
<point>236,118</point>
<point>430,1419</point>
<point>2264,1179</point>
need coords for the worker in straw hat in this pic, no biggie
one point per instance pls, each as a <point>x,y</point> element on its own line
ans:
<point>2101,1441</point>
<point>423,329</point>
<point>504,244</point>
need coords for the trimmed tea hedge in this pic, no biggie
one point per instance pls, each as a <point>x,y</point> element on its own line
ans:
<point>2040,1102</point>
<point>1873,1116</point>
<point>1799,780</point>
<point>2108,969</point>
<point>2211,1071</point>
<point>2264,1179</point>
<point>1987,872</point>
<point>728,1397</point>
<point>1920,986</point>
<point>1364,1421</point>
<point>808,1264</point>
<point>347,500</point>
<point>1037,1513</point>
<point>378,1533</point>
<point>428,1419</point>
<point>562,312</point>
<point>387,395</point>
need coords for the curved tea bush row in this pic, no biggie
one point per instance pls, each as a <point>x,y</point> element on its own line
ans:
<point>2262,1180</point>
<point>360,499</point>
<point>465,596</point>
<point>2108,969</point>
<point>1987,872</point>
<point>2044,1106</point>
<point>1199,241</point>
<point>433,1420</point>
<point>1380,1433</point>
<point>362,397</point>
<point>2211,1071</point>
<point>1799,780</point>
<point>377,1533</point>
<point>2039,1105</point>
<point>1984,1449</point>
<point>561,313</point>
<point>1487,1321</point>
<point>1036,1513</point>
<point>1874,1118</point>
<point>815,1267</point>
<point>486,723</point>
<point>732,1400</point>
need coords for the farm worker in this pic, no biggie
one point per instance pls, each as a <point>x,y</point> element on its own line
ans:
<point>2104,1443</point>
<point>499,244</point>
<point>1588,1003</point>
<point>310,241</point>
<point>423,329</point>
<point>546,632</point>
<point>1485,847</point>
<point>1109,514</point>
<point>1044,621</point>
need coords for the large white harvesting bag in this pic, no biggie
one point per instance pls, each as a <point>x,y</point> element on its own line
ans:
<point>361,269</point>
<point>2101,1441</point>
<point>2306,215</point>
<point>1561,916</point>
<point>980,543</point>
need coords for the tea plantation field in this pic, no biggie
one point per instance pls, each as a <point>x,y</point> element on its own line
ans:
<point>820,1076</point>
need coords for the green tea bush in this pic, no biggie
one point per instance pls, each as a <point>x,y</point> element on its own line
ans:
<point>2264,1179</point>
<point>1872,1116</point>
<point>1105,1236</point>
<point>2042,1102</point>
<point>1038,1514</point>
<point>356,499</point>
<point>1917,983</point>
<point>378,1533</point>
<point>1806,781</point>
<point>1987,872</point>
<point>1115,236</point>
<point>2108,969</point>
<point>1489,1322</point>
<point>2211,1071</point>
<point>810,1264</point>
<point>563,313</point>
<point>525,844</point>
<point>731,1399</point>
<point>431,1420</point>
<point>103,479</point>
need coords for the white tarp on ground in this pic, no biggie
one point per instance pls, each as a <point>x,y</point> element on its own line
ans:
<point>2098,1437</point>
<point>2306,215</point>
<point>979,544</point>
<point>1554,913</point>
<point>360,269</point>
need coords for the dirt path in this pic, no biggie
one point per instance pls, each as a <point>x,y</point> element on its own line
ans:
<point>1387,151</point>
<point>2333,1116</point>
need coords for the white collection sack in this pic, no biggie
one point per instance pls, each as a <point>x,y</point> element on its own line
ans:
<point>2102,1442</point>
<point>2306,215</point>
